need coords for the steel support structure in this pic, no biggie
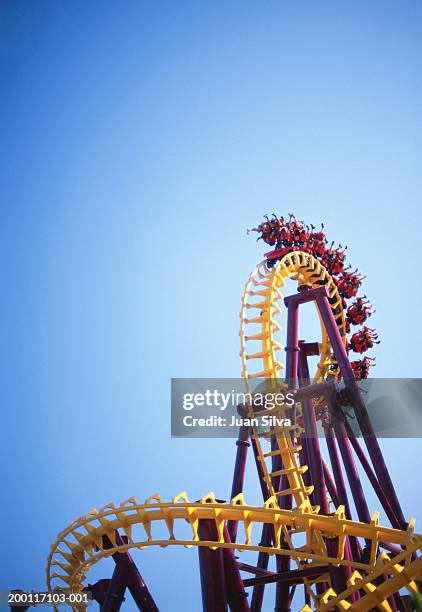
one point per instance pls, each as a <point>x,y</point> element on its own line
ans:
<point>341,442</point>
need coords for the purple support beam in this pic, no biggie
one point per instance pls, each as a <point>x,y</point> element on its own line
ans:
<point>261,476</point>
<point>321,296</point>
<point>351,542</point>
<point>98,590</point>
<point>311,431</point>
<point>303,442</point>
<point>371,476</point>
<point>396,550</point>
<point>266,537</point>
<point>283,595</point>
<point>304,460</point>
<point>292,577</point>
<point>351,472</point>
<point>292,348</point>
<point>263,560</point>
<point>243,444</point>
<point>115,594</point>
<point>338,575</point>
<point>211,569</point>
<point>236,594</point>
<point>331,486</point>
<point>341,487</point>
<point>253,569</point>
<point>292,357</point>
<point>362,416</point>
<point>134,581</point>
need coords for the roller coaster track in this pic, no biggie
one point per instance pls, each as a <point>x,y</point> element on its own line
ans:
<point>260,308</point>
<point>81,545</point>
<point>300,533</point>
<point>263,294</point>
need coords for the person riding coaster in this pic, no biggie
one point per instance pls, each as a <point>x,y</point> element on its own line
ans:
<point>290,234</point>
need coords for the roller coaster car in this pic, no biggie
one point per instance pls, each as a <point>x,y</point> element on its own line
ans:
<point>273,256</point>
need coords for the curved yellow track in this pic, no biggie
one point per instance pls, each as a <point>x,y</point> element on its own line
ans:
<point>81,545</point>
<point>261,305</point>
<point>260,346</point>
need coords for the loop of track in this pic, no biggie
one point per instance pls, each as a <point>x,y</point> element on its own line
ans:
<point>265,284</point>
<point>262,298</point>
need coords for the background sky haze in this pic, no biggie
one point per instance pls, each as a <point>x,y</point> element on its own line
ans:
<point>139,141</point>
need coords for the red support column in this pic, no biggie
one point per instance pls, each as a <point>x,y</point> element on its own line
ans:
<point>243,444</point>
<point>358,404</point>
<point>266,536</point>
<point>115,594</point>
<point>131,576</point>
<point>371,476</point>
<point>341,487</point>
<point>236,594</point>
<point>211,569</point>
<point>283,595</point>
<point>311,430</point>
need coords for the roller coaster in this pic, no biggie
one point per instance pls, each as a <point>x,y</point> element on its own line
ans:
<point>336,552</point>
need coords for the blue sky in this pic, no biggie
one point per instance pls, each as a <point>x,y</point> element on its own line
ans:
<point>140,140</point>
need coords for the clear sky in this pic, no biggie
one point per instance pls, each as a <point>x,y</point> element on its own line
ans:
<point>139,141</point>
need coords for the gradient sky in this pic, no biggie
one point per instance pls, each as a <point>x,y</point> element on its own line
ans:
<point>139,141</point>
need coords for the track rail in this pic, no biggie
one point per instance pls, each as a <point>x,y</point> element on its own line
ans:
<point>81,545</point>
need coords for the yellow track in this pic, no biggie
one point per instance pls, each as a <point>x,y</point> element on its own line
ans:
<point>260,346</point>
<point>263,300</point>
<point>155,523</point>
